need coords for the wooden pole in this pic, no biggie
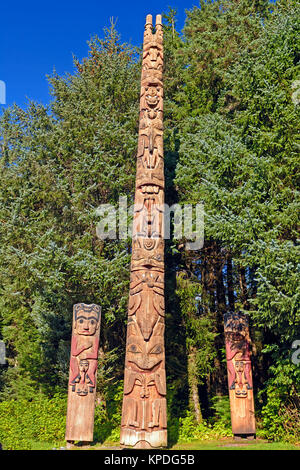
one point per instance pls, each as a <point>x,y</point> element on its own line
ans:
<point>83,373</point>
<point>144,413</point>
<point>237,342</point>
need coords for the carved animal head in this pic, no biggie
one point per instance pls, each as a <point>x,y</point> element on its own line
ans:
<point>152,96</point>
<point>86,319</point>
<point>145,355</point>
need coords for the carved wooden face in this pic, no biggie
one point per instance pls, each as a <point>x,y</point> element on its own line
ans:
<point>145,355</point>
<point>234,337</point>
<point>148,34</point>
<point>152,96</point>
<point>86,323</point>
<point>83,365</point>
<point>241,393</point>
<point>239,366</point>
<point>153,54</point>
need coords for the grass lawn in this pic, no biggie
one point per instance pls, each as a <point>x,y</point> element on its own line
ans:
<point>231,444</point>
<point>222,444</point>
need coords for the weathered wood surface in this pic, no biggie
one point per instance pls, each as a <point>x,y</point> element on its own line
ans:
<point>83,372</point>
<point>238,356</point>
<point>144,413</point>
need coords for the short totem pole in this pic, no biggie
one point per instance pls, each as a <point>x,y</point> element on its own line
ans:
<point>83,373</point>
<point>237,342</point>
<point>144,414</point>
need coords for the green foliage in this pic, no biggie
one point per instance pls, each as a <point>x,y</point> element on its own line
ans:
<point>58,165</point>
<point>221,407</point>
<point>108,418</point>
<point>185,429</point>
<point>22,422</point>
<point>238,153</point>
<point>214,34</point>
<point>199,328</point>
<point>280,413</point>
<point>272,420</point>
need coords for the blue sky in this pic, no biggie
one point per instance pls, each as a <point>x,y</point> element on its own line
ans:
<point>36,36</point>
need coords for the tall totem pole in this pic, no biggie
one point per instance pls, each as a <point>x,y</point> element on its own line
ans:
<point>144,413</point>
<point>237,342</point>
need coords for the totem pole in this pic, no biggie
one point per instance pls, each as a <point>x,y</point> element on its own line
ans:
<point>237,343</point>
<point>144,413</point>
<point>83,373</point>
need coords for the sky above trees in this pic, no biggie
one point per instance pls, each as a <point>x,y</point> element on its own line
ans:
<point>37,37</point>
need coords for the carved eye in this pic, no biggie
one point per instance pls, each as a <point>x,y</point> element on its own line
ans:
<point>156,350</point>
<point>81,321</point>
<point>92,322</point>
<point>133,348</point>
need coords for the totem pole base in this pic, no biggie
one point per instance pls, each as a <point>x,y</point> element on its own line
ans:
<point>143,439</point>
<point>80,419</point>
<point>242,414</point>
<point>249,437</point>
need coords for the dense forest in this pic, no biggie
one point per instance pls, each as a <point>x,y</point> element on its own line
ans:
<point>231,142</point>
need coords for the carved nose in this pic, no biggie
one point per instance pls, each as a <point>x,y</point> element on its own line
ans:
<point>145,363</point>
<point>146,332</point>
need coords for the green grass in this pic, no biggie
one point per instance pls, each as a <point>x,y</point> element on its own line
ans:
<point>221,444</point>
<point>231,444</point>
<point>42,445</point>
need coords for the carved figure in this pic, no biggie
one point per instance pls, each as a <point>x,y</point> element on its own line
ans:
<point>237,344</point>
<point>83,369</point>
<point>144,416</point>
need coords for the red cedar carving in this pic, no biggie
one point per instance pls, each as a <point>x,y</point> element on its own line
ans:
<point>237,342</point>
<point>83,372</point>
<point>144,413</point>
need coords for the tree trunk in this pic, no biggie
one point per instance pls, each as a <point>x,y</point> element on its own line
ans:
<point>244,289</point>
<point>221,307</point>
<point>193,385</point>
<point>219,283</point>
<point>230,286</point>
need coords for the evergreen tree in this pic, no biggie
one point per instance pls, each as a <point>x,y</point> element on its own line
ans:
<point>58,165</point>
<point>239,157</point>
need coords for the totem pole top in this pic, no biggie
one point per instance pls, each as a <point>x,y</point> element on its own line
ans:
<point>149,20</point>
